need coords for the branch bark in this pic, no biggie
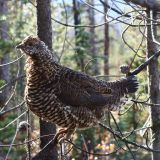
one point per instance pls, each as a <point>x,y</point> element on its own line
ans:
<point>150,4</point>
<point>106,41</point>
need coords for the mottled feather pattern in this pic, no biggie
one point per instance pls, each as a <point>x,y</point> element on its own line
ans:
<point>66,97</point>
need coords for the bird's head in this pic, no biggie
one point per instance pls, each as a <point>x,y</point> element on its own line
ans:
<point>31,45</point>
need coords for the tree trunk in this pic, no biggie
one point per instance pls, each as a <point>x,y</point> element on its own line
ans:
<point>44,29</point>
<point>92,37</point>
<point>106,41</point>
<point>154,92</point>
<point>21,84</point>
<point>4,58</point>
<point>77,21</point>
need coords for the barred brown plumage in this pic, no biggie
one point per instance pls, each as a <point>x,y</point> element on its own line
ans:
<point>66,97</point>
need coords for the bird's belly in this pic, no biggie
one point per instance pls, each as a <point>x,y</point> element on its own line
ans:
<point>64,117</point>
<point>54,114</point>
<point>47,106</point>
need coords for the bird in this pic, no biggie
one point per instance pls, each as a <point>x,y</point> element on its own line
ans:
<point>68,98</point>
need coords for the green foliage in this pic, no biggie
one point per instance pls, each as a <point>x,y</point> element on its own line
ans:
<point>86,139</point>
<point>8,133</point>
<point>3,18</point>
<point>2,82</point>
<point>81,47</point>
<point>6,45</point>
<point>25,1</point>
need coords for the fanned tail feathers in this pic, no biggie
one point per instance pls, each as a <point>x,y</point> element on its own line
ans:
<point>123,87</point>
<point>131,84</point>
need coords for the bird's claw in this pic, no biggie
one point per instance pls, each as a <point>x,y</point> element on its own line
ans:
<point>60,136</point>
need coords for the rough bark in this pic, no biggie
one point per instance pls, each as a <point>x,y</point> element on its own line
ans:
<point>4,58</point>
<point>21,63</point>
<point>93,51</point>
<point>154,91</point>
<point>44,31</point>
<point>106,41</point>
<point>150,4</point>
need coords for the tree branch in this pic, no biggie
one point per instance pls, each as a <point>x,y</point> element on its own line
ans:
<point>150,4</point>
<point>144,65</point>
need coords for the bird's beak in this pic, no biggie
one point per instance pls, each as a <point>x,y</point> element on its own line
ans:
<point>20,46</point>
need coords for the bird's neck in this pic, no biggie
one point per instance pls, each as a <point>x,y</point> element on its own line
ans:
<point>44,64</point>
<point>45,57</point>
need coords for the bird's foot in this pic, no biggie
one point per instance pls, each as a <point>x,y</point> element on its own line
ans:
<point>60,135</point>
<point>125,69</point>
<point>63,134</point>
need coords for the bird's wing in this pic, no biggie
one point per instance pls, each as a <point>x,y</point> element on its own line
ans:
<point>78,89</point>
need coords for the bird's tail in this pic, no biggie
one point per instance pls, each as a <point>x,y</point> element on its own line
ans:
<point>125,85</point>
<point>121,88</point>
<point>130,84</point>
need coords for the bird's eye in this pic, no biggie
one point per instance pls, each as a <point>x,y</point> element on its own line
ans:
<point>29,44</point>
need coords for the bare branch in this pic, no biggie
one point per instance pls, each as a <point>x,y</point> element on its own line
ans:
<point>150,4</point>
<point>144,65</point>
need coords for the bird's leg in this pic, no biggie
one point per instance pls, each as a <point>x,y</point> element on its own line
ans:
<point>66,147</point>
<point>59,135</point>
<point>63,134</point>
<point>67,135</point>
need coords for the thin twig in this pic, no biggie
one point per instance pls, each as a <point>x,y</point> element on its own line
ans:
<point>11,109</point>
<point>20,77</point>
<point>6,64</point>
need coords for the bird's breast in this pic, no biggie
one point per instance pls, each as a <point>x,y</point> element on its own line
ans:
<point>40,95</point>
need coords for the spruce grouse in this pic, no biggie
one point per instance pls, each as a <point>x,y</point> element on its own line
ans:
<point>66,97</point>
